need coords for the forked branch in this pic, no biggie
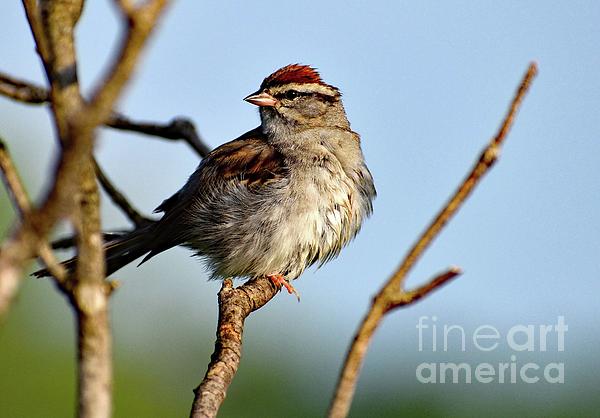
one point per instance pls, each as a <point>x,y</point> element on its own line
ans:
<point>73,193</point>
<point>392,294</point>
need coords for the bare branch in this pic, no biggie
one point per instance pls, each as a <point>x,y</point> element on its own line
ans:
<point>177,129</point>
<point>392,293</point>
<point>486,160</point>
<point>33,17</point>
<point>74,191</point>
<point>90,299</point>
<point>9,285</point>
<point>22,91</point>
<point>141,24</point>
<point>76,188</point>
<point>65,100</point>
<point>119,199</point>
<point>12,182</point>
<point>404,298</point>
<point>21,203</point>
<point>235,304</point>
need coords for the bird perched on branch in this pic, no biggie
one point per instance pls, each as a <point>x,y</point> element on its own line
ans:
<point>280,198</point>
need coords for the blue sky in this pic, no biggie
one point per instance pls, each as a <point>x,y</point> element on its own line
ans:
<point>426,84</point>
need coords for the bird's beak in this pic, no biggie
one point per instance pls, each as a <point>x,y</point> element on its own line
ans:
<point>261,99</point>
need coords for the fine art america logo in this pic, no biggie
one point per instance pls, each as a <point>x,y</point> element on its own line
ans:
<point>436,337</point>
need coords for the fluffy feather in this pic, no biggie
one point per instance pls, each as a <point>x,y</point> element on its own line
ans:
<point>288,194</point>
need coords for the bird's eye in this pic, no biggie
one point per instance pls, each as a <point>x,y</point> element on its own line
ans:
<point>292,94</point>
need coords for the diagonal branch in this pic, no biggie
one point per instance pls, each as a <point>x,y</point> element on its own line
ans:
<point>33,17</point>
<point>235,304</point>
<point>392,294</point>
<point>140,26</point>
<point>119,199</point>
<point>22,204</point>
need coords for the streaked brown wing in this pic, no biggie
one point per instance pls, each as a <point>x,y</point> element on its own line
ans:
<point>248,160</point>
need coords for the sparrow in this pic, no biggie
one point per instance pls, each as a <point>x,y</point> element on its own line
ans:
<point>284,196</point>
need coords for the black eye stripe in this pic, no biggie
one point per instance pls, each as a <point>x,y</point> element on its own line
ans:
<point>291,94</point>
<point>294,94</point>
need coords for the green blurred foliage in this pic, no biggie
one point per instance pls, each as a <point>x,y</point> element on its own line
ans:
<point>38,374</point>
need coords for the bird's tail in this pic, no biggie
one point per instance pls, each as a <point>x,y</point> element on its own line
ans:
<point>119,251</point>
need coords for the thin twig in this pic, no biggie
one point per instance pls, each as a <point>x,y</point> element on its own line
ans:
<point>33,17</point>
<point>392,294</point>
<point>21,203</point>
<point>235,304</point>
<point>22,91</point>
<point>119,199</point>
<point>12,182</point>
<point>141,24</point>
<point>178,129</point>
<point>404,298</point>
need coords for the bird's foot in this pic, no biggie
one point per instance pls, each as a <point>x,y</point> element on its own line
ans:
<point>279,281</point>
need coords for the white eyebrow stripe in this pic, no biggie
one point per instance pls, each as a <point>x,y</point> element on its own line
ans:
<point>305,88</point>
